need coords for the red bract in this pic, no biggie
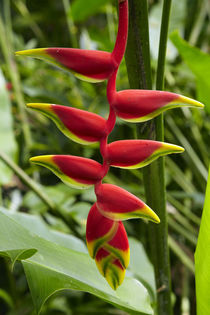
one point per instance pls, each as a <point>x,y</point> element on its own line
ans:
<point>118,204</point>
<point>88,65</point>
<point>142,105</point>
<point>110,268</point>
<point>78,125</point>
<point>137,153</point>
<point>75,171</point>
<point>98,230</point>
<point>107,242</point>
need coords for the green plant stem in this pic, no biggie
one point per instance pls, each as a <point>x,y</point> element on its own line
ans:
<point>6,47</point>
<point>139,74</point>
<point>70,23</point>
<point>53,208</point>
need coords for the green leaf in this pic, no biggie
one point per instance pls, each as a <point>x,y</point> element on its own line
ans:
<point>6,297</point>
<point>55,267</point>
<point>7,139</point>
<point>141,267</point>
<point>37,225</point>
<point>80,10</point>
<point>202,259</point>
<point>199,64</point>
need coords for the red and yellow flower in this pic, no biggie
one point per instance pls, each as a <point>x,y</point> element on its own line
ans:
<point>107,240</point>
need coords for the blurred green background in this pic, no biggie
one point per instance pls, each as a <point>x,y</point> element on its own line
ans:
<point>23,133</point>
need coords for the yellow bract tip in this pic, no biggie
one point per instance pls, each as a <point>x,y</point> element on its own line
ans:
<point>172,148</point>
<point>41,159</point>
<point>150,214</point>
<point>32,52</point>
<point>189,101</point>
<point>40,106</point>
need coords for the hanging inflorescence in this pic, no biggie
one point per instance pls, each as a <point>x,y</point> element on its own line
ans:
<point>107,240</point>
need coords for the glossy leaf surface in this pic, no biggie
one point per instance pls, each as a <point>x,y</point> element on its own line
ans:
<point>202,258</point>
<point>54,268</point>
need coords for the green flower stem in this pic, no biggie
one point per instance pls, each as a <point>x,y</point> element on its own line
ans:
<point>70,23</point>
<point>139,74</point>
<point>53,208</point>
<point>5,44</point>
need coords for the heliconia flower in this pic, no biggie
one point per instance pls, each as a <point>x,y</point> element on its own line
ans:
<point>88,65</point>
<point>119,246</point>
<point>142,105</point>
<point>79,125</point>
<point>98,230</point>
<point>116,203</point>
<point>107,242</point>
<point>78,172</point>
<point>132,154</point>
<point>110,268</point>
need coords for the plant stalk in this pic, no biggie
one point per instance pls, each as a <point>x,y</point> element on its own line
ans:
<point>139,74</point>
<point>6,46</point>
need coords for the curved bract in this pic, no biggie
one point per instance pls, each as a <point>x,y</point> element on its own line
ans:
<point>142,105</point>
<point>132,154</point>
<point>88,65</point>
<point>75,171</point>
<point>79,125</point>
<point>118,204</point>
<point>107,242</point>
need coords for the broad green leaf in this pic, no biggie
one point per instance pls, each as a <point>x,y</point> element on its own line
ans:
<point>80,10</point>
<point>199,64</point>
<point>54,267</point>
<point>7,139</point>
<point>141,267</point>
<point>202,259</point>
<point>37,225</point>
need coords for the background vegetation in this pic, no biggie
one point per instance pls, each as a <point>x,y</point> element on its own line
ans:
<point>54,207</point>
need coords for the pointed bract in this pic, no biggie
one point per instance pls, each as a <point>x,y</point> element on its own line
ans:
<point>118,204</point>
<point>110,268</point>
<point>75,171</point>
<point>133,154</point>
<point>79,125</point>
<point>142,105</point>
<point>119,245</point>
<point>88,65</point>
<point>99,230</point>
